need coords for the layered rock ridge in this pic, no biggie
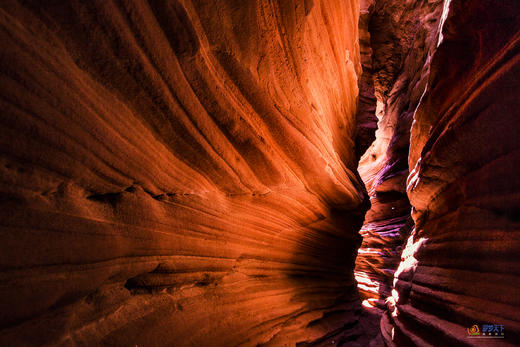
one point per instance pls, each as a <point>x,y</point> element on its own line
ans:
<point>460,265</point>
<point>179,173</point>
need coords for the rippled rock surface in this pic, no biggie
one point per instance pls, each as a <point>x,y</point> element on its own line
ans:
<point>446,150</point>
<point>460,265</point>
<point>179,172</point>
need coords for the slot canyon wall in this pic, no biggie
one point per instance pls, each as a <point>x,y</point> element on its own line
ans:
<point>185,172</point>
<point>456,253</point>
<point>460,265</point>
<point>179,172</point>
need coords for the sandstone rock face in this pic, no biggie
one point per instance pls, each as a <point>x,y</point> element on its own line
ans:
<point>460,265</point>
<point>403,38</point>
<point>366,110</point>
<point>179,172</point>
<point>183,172</point>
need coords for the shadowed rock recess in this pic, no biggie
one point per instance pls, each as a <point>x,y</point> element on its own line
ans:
<point>185,172</point>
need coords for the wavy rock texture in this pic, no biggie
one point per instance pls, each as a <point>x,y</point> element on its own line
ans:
<point>403,38</point>
<point>460,265</point>
<point>179,172</point>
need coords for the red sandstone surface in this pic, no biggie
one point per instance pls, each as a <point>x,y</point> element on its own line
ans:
<point>446,76</point>
<point>179,172</point>
<point>197,173</point>
<point>460,265</point>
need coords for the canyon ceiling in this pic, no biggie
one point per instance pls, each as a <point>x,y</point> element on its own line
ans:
<point>203,173</point>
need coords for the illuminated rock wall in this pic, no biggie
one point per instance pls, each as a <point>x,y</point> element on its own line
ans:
<point>179,173</point>
<point>458,93</point>
<point>460,265</point>
<point>184,172</point>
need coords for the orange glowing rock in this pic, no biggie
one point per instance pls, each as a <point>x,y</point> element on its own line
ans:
<point>179,172</point>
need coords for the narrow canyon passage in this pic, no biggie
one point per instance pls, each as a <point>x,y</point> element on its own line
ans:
<point>439,259</point>
<point>197,173</point>
<point>399,50</point>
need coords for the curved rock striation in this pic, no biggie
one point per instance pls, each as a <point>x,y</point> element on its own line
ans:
<point>460,265</point>
<point>183,172</point>
<point>179,172</point>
